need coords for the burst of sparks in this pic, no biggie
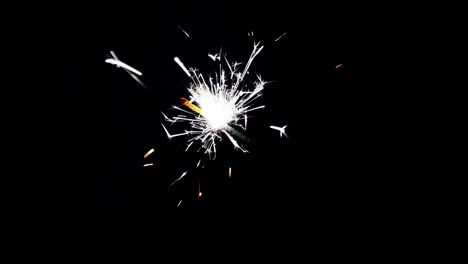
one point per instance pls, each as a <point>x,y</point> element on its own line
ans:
<point>280,36</point>
<point>218,104</point>
<point>282,130</point>
<point>148,153</point>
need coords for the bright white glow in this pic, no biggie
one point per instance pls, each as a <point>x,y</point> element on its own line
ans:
<point>218,105</point>
<point>217,110</point>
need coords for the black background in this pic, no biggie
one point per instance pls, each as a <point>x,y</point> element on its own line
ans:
<point>339,162</point>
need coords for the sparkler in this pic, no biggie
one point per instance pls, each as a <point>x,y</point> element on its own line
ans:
<point>219,105</point>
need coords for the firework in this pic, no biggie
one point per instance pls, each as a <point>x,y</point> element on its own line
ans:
<point>219,106</point>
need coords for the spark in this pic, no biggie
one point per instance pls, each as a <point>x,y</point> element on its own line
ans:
<point>130,70</point>
<point>198,164</point>
<point>178,179</point>
<point>229,172</point>
<point>177,60</point>
<point>339,65</point>
<point>199,191</point>
<point>191,106</point>
<point>179,203</point>
<point>123,65</point>
<point>215,57</point>
<point>280,36</point>
<point>171,136</point>
<point>188,36</point>
<point>148,164</point>
<point>218,104</point>
<point>148,153</point>
<point>281,130</point>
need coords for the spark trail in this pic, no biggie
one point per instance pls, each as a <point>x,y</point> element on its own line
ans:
<point>282,130</point>
<point>129,69</point>
<point>280,36</point>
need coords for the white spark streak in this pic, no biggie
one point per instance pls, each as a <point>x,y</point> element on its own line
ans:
<point>189,146</point>
<point>280,36</point>
<point>148,153</point>
<point>188,36</point>
<point>245,118</point>
<point>182,66</point>
<point>229,172</point>
<point>123,65</point>
<point>130,70</point>
<point>214,57</point>
<point>281,130</point>
<point>148,164</point>
<point>171,136</point>
<point>178,179</point>
<point>219,104</point>
<point>198,164</point>
<point>179,203</point>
